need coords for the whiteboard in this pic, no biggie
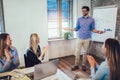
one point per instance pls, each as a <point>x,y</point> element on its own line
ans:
<point>105,19</point>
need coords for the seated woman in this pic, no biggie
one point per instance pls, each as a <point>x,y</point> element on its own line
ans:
<point>34,53</point>
<point>110,68</point>
<point>8,54</point>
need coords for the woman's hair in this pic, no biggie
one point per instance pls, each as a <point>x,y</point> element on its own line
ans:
<point>3,36</point>
<point>2,47</point>
<point>33,43</point>
<point>113,57</point>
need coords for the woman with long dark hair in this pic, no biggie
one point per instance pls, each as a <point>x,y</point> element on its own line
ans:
<point>8,54</point>
<point>110,68</point>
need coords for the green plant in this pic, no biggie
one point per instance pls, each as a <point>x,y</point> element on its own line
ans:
<point>68,35</point>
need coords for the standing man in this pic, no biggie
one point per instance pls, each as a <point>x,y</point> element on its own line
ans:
<point>85,25</point>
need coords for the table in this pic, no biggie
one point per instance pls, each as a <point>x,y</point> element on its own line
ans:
<point>58,76</point>
<point>17,72</point>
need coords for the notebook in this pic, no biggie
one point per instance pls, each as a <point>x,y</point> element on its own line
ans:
<point>45,69</point>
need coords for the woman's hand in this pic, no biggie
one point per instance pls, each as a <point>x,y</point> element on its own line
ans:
<point>8,55</point>
<point>45,48</point>
<point>91,61</point>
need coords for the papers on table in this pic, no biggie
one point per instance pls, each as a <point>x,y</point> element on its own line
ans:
<point>58,76</point>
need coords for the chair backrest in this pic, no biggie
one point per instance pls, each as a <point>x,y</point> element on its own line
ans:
<point>26,60</point>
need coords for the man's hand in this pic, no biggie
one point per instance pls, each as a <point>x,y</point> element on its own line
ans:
<point>71,29</point>
<point>98,31</point>
<point>66,28</point>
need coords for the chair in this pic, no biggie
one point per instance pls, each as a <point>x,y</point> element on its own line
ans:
<point>26,60</point>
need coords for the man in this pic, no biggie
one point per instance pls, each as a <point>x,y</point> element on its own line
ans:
<point>85,25</point>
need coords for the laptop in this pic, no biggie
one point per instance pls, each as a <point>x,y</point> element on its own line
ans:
<point>45,69</point>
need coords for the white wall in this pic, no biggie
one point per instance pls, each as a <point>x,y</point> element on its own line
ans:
<point>61,48</point>
<point>23,17</point>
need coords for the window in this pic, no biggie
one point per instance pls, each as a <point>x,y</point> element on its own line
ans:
<point>1,17</point>
<point>59,16</point>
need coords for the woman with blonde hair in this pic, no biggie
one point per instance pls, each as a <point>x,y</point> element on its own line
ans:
<point>34,53</point>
